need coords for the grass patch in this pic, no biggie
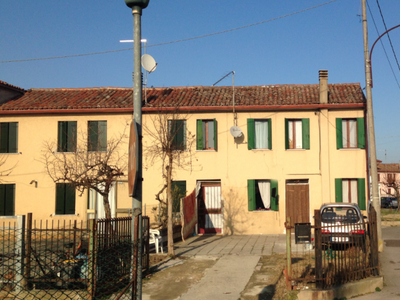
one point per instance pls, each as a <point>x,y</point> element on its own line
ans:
<point>389,212</point>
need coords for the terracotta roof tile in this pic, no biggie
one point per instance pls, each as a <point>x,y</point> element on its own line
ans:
<point>392,168</point>
<point>7,85</point>
<point>197,96</point>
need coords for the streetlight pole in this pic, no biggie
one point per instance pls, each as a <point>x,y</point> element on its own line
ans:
<point>371,130</point>
<point>137,6</point>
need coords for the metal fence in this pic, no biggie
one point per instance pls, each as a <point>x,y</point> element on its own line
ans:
<point>70,260</point>
<point>331,261</point>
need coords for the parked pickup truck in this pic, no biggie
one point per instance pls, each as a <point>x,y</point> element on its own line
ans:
<point>342,224</point>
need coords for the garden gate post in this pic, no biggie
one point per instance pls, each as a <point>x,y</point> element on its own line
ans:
<point>20,253</point>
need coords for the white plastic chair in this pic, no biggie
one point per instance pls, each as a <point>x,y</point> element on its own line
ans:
<point>156,239</point>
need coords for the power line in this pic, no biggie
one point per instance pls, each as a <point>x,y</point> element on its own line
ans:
<point>384,23</point>
<point>383,46</point>
<point>176,41</point>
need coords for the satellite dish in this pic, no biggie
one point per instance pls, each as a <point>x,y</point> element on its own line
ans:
<point>236,131</point>
<point>148,63</point>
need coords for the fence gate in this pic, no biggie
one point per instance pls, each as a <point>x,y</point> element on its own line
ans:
<point>326,264</point>
<point>69,260</point>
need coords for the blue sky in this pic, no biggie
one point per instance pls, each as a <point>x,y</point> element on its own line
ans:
<point>288,49</point>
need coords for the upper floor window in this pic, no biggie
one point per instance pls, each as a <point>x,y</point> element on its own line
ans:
<point>297,133</point>
<point>177,134</point>
<point>350,191</point>
<point>7,199</point>
<point>66,136</point>
<point>97,136</point>
<point>206,134</point>
<point>65,199</point>
<point>262,194</point>
<point>259,134</point>
<point>9,137</point>
<point>350,133</point>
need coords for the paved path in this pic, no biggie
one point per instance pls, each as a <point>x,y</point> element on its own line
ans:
<point>390,264</point>
<point>235,244</point>
<point>225,280</point>
<point>238,258</point>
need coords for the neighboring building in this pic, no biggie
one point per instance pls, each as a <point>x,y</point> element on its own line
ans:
<point>9,92</point>
<point>389,179</point>
<point>302,145</point>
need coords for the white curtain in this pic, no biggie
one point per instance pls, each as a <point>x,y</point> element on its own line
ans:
<point>261,136</point>
<point>349,133</point>
<point>265,191</point>
<point>350,191</point>
<point>96,203</point>
<point>296,134</point>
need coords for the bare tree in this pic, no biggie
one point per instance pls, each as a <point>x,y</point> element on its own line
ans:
<point>7,171</point>
<point>169,144</point>
<point>86,169</point>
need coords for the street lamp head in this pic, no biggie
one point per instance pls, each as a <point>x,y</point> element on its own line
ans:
<point>139,3</point>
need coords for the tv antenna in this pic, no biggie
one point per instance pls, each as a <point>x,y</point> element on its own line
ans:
<point>234,130</point>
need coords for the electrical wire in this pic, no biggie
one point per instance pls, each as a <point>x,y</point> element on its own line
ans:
<point>176,41</point>
<point>383,46</point>
<point>384,23</point>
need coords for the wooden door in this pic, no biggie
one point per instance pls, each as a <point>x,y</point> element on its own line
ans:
<point>209,208</point>
<point>297,201</point>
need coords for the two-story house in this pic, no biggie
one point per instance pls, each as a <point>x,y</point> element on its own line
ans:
<point>389,179</point>
<point>260,153</point>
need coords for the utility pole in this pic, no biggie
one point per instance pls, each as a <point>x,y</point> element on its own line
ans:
<point>371,130</point>
<point>137,6</point>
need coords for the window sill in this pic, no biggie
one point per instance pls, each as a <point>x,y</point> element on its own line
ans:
<point>11,153</point>
<point>349,149</point>
<point>263,210</point>
<point>55,215</point>
<point>297,149</point>
<point>261,149</point>
<point>207,150</point>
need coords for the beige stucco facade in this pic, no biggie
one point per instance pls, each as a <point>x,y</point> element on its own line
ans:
<point>231,165</point>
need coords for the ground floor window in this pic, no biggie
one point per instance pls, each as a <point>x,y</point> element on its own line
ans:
<point>65,199</point>
<point>262,194</point>
<point>178,190</point>
<point>350,190</point>
<point>7,199</point>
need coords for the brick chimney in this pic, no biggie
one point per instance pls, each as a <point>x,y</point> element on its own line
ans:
<point>323,86</point>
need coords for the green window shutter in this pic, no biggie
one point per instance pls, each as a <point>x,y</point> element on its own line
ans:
<point>69,199</point>
<point>338,190</point>
<point>306,133</point>
<point>339,136</point>
<point>199,131</point>
<point>269,134</point>
<point>102,129</point>
<point>4,137</point>
<point>13,137</point>
<point>2,199</point>
<point>178,192</point>
<point>286,134</point>
<point>215,135</point>
<point>274,195</point>
<point>71,136</point>
<point>61,136</point>
<point>93,133</point>
<point>9,199</point>
<point>178,134</point>
<point>251,133</point>
<point>251,190</point>
<point>361,133</point>
<point>60,198</point>
<point>361,193</point>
